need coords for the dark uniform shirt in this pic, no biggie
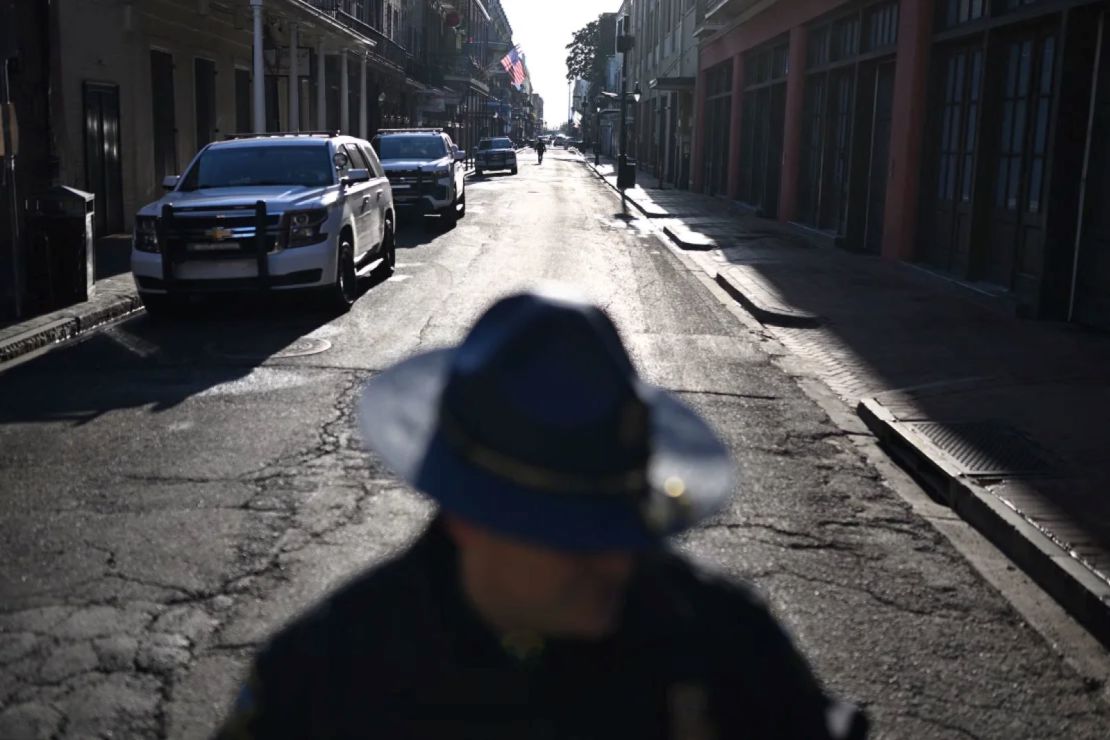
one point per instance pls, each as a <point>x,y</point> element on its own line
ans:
<point>399,653</point>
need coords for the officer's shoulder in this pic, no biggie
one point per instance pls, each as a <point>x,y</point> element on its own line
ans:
<point>714,591</point>
<point>349,615</point>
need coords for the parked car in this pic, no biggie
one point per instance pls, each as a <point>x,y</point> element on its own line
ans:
<point>426,171</point>
<point>321,203</point>
<point>495,154</point>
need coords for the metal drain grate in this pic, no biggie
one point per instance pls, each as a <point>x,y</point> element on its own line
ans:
<point>985,447</point>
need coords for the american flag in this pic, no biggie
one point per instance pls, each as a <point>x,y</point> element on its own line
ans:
<point>513,62</point>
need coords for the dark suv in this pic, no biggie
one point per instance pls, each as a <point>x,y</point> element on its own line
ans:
<point>425,171</point>
<point>495,154</point>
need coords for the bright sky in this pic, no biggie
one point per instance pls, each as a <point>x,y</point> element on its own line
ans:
<point>543,29</point>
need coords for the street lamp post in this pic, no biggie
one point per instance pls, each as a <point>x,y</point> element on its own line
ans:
<point>597,134</point>
<point>624,45</point>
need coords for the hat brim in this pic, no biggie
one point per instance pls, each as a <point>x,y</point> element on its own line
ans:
<point>690,472</point>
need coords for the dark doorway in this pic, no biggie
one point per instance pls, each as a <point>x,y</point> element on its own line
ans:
<point>331,96</point>
<point>718,117</point>
<point>102,155</point>
<point>165,117</point>
<point>1092,297</point>
<point>958,93</point>
<point>273,108</point>
<point>1015,248</point>
<point>763,121</point>
<point>841,117</point>
<point>879,165</point>
<point>243,123</point>
<point>204,82</point>
<point>833,207</point>
<point>762,124</point>
<point>827,149</point>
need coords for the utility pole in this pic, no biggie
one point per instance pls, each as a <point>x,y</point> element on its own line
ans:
<point>625,42</point>
<point>597,133</point>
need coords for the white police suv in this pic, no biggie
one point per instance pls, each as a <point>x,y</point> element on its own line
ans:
<point>268,212</point>
<point>425,170</point>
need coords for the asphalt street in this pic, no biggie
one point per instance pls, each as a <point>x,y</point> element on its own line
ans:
<point>173,491</point>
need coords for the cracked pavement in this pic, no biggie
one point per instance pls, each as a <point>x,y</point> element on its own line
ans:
<point>168,502</point>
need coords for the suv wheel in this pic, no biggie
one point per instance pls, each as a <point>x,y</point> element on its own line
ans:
<point>462,204</point>
<point>513,171</point>
<point>345,289</point>
<point>389,249</point>
<point>450,214</point>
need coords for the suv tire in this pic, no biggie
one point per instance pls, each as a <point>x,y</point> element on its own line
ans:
<point>345,289</point>
<point>450,214</point>
<point>389,249</point>
<point>513,171</point>
<point>462,204</point>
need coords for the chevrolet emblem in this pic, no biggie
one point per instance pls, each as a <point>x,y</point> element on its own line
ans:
<point>219,234</point>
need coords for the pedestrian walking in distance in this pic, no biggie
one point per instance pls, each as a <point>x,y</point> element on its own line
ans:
<point>542,600</point>
<point>540,149</point>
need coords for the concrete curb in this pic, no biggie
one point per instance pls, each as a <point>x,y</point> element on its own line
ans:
<point>754,296</point>
<point>699,246</point>
<point>70,323</point>
<point>1081,592</point>
<point>749,293</point>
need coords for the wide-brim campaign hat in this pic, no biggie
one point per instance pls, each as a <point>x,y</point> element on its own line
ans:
<point>537,427</point>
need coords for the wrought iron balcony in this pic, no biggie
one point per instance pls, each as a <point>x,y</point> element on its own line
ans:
<point>455,64</point>
<point>385,48</point>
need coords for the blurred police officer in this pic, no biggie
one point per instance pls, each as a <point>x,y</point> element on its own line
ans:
<point>541,601</point>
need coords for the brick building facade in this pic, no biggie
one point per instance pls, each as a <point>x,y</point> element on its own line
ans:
<point>967,136</point>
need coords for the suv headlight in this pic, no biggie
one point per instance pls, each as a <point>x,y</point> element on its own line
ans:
<point>303,228</point>
<point>146,234</point>
<point>440,174</point>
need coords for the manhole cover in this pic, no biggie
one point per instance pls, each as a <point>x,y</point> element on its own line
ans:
<point>985,447</point>
<point>298,348</point>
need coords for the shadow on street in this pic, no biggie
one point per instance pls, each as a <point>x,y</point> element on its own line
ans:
<point>162,361</point>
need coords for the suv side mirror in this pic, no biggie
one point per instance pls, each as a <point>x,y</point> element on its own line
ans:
<point>460,155</point>
<point>356,175</point>
<point>169,182</point>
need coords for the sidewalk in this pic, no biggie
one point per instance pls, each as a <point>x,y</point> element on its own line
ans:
<point>1003,419</point>
<point>113,297</point>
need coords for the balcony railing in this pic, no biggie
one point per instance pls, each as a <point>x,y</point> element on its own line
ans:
<point>385,48</point>
<point>430,70</point>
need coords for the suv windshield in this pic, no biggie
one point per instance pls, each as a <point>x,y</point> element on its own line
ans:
<point>410,147</point>
<point>495,144</point>
<point>247,166</point>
